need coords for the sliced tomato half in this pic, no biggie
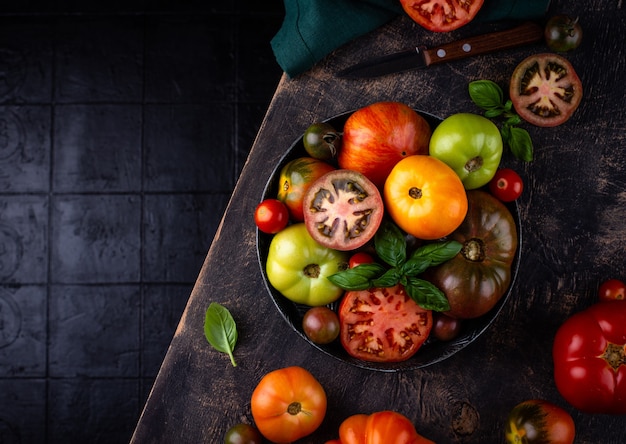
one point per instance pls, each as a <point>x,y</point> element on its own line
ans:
<point>441,15</point>
<point>383,324</point>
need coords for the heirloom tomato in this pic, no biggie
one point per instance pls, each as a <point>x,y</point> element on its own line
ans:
<point>441,15</point>
<point>539,422</point>
<point>563,33</point>
<point>545,89</point>
<point>425,197</point>
<point>612,290</point>
<point>288,404</point>
<point>384,427</point>
<point>383,324</point>
<point>506,185</point>
<point>589,354</point>
<point>297,266</point>
<point>342,210</point>
<point>479,275</point>
<point>320,325</point>
<point>445,328</point>
<point>321,141</point>
<point>469,144</point>
<point>271,216</point>
<point>295,179</point>
<point>379,135</point>
<point>243,434</point>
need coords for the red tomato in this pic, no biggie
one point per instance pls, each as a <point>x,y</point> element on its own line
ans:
<point>360,258</point>
<point>442,15</point>
<point>386,427</point>
<point>288,404</point>
<point>271,216</point>
<point>612,290</point>
<point>537,422</point>
<point>506,185</point>
<point>545,89</point>
<point>383,324</point>
<point>379,135</point>
<point>589,354</point>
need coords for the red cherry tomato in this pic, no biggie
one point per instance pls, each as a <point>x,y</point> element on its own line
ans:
<point>506,185</point>
<point>360,258</point>
<point>612,290</point>
<point>271,216</point>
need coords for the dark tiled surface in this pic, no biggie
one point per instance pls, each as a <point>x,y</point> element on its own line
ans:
<point>123,127</point>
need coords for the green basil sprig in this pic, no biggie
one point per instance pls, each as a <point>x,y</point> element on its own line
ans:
<point>390,246</point>
<point>220,330</point>
<point>488,95</point>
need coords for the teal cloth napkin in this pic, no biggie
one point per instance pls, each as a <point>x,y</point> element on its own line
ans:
<point>313,28</point>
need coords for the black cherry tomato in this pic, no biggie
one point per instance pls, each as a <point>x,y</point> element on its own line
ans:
<point>321,325</point>
<point>321,141</point>
<point>360,258</point>
<point>506,185</point>
<point>563,33</point>
<point>612,290</point>
<point>445,328</point>
<point>243,434</point>
<point>271,216</point>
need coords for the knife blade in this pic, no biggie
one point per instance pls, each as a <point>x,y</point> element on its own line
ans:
<point>422,57</point>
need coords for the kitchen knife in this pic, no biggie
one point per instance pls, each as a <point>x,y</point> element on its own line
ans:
<point>422,57</point>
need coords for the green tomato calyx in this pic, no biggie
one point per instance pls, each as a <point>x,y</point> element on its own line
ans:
<point>474,164</point>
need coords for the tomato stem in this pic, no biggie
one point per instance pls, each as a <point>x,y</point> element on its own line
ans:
<point>614,355</point>
<point>294,408</point>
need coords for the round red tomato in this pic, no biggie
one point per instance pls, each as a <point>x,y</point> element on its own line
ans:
<point>343,210</point>
<point>506,185</point>
<point>288,404</point>
<point>612,290</point>
<point>271,216</point>
<point>360,258</point>
<point>442,15</point>
<point>545,89</point>
<point>383,324</point>
<point>425,197</point>
<point>295,179</point>
<point>537,422</point>
<point>377,136</point>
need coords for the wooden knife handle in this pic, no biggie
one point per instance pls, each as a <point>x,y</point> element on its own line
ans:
<point>482,44</point>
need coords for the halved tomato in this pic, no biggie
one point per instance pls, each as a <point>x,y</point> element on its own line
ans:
<point>383,324</point>
<point>441,15</point>
<point>545,89</point>
<point>342,210</point>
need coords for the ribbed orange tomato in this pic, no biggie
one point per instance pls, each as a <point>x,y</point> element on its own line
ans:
<point>385,427</point>
<point>425,197</point>
<point>288,404</point>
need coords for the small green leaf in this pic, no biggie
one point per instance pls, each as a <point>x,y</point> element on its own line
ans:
<point>390,244</point>
<point>521,144</point>
<point>427,295</point>
<point>486,94</point>
<point>220,330</point>
<point>493,112</point>
<point>513,119</point>
<point>505,131</point>
<point>508,105</point>
<point>390,278</point>
<point>357,278</point>
<point>438,252</point>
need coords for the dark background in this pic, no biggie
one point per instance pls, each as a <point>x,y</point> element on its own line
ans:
<point>123,128</point>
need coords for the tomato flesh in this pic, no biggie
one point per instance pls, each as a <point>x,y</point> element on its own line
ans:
<point>442,15</point>
<point>383,324</point>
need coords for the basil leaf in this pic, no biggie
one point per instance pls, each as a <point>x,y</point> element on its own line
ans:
<point>220,330</point>
<point>521,144</point>
<point>486,94</point>
<point>390,278</point>
<point>416,265</point>
<point>390,244</point>
<point>357,278</point>
<point>493,112</point>
<point>427,295</point>
<point>438,252</point>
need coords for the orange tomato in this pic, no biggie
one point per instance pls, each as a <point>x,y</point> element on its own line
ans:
<point>425,197</point>
<point>385,427</point>
<point>288,404</point>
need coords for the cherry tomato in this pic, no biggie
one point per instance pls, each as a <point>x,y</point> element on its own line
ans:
<point>288,404</point>
<point>537,422</point>
<point>321,325</point>
<point>563,33</point>
<point>442,15</point>
<point>321,141</point>
<point>445,328</point>
<point>545,89</point>
<point>506,185</point>
<point>383,324</point>
<point>612,290</point>
<point>271,216</point>
<point>243,434</point>
<point>360,258</point>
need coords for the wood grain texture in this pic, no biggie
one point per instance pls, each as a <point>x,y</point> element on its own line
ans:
<point>574,236</point>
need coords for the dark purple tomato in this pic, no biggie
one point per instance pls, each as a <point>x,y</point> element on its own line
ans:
<point>445,328</point>
<point>563,33</point>
<point>243,434</point>
<point>321,325</point>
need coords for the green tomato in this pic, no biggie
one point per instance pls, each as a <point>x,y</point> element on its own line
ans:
<point>297,266</point>
<point>471,145</point>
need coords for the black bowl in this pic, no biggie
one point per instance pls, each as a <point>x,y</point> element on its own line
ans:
<point>432,351</point>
